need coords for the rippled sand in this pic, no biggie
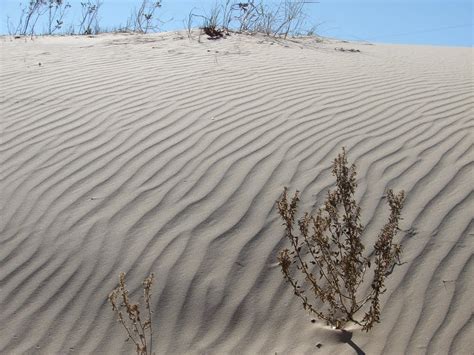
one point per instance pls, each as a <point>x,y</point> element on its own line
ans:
<point>160,154</point>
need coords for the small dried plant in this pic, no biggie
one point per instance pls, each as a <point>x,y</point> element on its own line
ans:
<point>89,23</point>
<point>142,18</point>
<point>33,12</point>
<point>328,252</point>
<point>57,10</point>
<point>139,328</point>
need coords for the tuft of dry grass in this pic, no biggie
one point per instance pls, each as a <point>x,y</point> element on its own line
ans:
<point>138,327</point>
<point>327,252</point>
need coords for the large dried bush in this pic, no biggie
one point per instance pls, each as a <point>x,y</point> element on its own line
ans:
<point>326,259</point>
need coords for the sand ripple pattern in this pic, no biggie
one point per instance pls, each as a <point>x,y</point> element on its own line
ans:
<point>156,153</point>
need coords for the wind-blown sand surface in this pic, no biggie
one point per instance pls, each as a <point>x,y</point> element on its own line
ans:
<point>160,154</point>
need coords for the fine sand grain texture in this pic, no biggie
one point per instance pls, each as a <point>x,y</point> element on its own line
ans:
<point>162,154</point>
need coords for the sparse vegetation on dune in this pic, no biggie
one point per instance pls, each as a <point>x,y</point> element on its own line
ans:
<point>279,19</point>
<point>55,10</point>
<point>141,20</point>
<point>326,250</point>
<point>272,19</point>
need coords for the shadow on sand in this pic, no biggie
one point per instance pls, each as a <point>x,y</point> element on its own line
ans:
<point>346,337</point>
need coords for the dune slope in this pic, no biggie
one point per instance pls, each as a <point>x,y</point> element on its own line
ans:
<point>160,154</point>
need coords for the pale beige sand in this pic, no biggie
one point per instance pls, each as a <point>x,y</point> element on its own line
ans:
<point>157,153</point>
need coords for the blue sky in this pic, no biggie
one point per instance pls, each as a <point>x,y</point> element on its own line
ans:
<point>433,22</point>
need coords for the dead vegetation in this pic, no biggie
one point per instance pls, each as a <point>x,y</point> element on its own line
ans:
<point>274,19</point>
<point>352,50</point>
<point>137,325</point>
<point>327,253</point>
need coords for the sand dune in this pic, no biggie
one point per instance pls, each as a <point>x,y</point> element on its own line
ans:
<point>157,153</point>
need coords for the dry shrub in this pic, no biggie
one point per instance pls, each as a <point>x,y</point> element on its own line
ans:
<point>275,19</point>
<point>139,328</point>
<point>328,252</point>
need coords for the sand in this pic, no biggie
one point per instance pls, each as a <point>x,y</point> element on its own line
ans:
<point>162,154</point>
